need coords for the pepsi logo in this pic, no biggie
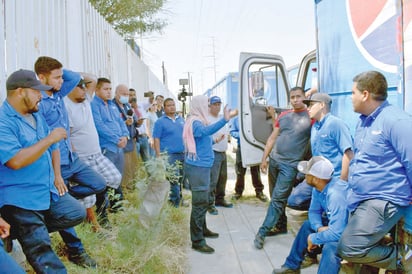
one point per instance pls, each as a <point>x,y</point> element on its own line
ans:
<point>377,31</point>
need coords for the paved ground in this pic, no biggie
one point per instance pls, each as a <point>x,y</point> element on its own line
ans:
<point>237,226</point>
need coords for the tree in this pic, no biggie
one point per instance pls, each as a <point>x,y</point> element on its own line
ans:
<point>131,17</point>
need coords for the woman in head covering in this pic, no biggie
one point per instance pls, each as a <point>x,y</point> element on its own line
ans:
<point>197,135</point>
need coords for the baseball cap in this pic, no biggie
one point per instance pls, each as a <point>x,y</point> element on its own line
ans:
<point>317,166</point>
<point>214,100</point>
<point>319,97</point>
<point>25,79</point>
<point>82,83</point>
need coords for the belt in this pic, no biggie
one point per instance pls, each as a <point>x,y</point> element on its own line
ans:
<point>143,135</point>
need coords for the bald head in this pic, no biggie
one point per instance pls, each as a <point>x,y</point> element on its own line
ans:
<point>122,94</point>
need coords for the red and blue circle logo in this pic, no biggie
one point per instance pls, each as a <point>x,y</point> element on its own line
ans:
<point>372,23</point>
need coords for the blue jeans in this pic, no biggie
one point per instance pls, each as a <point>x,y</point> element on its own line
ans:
<point>218,178</point>
<point>282,177</point>
<point>330,262</point>
<point>176,186</point>
<point>117,159</point>
<point>8,264</point>
<point>301,196</point>
<point>88,181</point>
<point>32,229</point>
<point>142,147</point>
<point>360,241</point>
<point>199,180</point>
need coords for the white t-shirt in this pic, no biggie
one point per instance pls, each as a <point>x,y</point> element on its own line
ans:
<point>83,133</point>
<point>222,145</point>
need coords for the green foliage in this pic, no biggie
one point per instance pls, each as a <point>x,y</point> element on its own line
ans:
<point>129,247</point>
<point>131,17</point>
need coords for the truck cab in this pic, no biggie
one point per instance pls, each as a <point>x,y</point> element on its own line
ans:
<point>263,82</point>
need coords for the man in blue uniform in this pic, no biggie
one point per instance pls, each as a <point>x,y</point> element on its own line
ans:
<point>29,200</point>
<point>380,174</point>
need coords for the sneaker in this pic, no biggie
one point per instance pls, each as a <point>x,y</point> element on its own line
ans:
<point>212,210</point>
<point>236,196</point>
<point>308,261</point>
<point>285,270</point>
<point>276,230</point>
<point>259,241</point>
<point>224,203</point>
<point>203,248</point>
<point>261,197</point>
<point>83,260</point>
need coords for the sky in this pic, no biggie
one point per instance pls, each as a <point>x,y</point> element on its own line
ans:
<point>204,38</point>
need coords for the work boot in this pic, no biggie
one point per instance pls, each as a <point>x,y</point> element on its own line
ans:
<point>82,259</point>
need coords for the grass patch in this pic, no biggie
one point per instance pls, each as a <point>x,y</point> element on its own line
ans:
<point>131,248</point>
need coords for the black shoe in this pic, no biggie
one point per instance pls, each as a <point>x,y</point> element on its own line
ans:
<point>223,203</point>
<point>203,248</point>
<point>285,270</point>
<point>261,197</point>
<point>212,210</point>
<point>236,196</point>
<point>210,234</point>
<point>276,231</point>
<point>83,260</point>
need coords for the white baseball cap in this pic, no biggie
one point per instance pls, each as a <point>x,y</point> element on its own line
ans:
<point>317,166</point>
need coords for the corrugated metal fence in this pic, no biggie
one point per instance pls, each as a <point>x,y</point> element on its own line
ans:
<point>73,32</point>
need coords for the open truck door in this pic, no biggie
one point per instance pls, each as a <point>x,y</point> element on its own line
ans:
<point>263,82</point>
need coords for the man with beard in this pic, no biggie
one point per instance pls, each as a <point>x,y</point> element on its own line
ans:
<point>29,200</point>
<point>85,181</point>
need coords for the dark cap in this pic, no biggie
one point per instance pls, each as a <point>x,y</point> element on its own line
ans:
<point>319,97</point>
<point>82,83</point>
<point>214,100</point>
<point>25,79</point>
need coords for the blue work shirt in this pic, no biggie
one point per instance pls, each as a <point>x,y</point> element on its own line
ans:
<point>330,203</point>
<point>170,134</point>
<point>29,187</point>
<point>109,124</point>
<point>382,164</point>
<point>234,129</point>
<point>54,111</point>
<point>203,139</point>
<point>330,138</point>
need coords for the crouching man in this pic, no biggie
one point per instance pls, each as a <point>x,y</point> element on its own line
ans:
<point>328,216</point>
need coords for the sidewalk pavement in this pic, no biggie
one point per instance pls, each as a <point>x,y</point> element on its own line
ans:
<point>237,227</point>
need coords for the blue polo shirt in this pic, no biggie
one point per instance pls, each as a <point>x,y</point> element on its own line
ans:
<point>170,134</point>
<point>203,138</point>
<point>382,164</point>
<point>54,111</point>
<point>330,138</point>
<point>331,202</point>
<point>29,187</point>
<point>109,124</point>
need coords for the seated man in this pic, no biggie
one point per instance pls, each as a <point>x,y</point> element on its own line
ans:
<point>29,199</point>
<point>328,216</point>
